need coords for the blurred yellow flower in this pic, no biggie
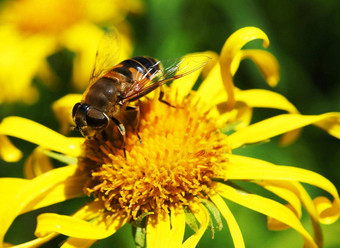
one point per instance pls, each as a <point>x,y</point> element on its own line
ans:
<point>181,172</point>
<point>32,30</point>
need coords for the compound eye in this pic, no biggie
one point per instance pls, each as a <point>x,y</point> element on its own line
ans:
<point>75,108</point>
<point>96,119</point>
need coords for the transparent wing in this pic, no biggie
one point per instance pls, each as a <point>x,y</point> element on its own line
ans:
<point>172,69</point>
<point>107,54</point>
<point>161,73</point>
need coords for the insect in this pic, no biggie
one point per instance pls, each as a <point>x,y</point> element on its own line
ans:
<point>113,87</point>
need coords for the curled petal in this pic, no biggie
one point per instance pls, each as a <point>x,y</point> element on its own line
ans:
<point>327,213</point>
<point>267,207</point>
<point>295,188</point>
<point>38,134</point>
<point>37,164</point>
<point>245,168</point>
<point>286,194</point>
<point>230,56</point>
<point>266,62</point>
<point>8,152</point>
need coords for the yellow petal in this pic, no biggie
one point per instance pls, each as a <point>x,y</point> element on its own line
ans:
<point>230,57</point>
<point>280,124</point>
<point>90,211</point>
<point>36,133</point>
<point>326,211</point>
<point>29,194</point>
<point>212,91</point>
<point>286,194</point>
<point>278,189</point>
<point>265,206</point>
<point>245,168</point>
<point>70,188</point>
<point>258,98</point>
<point>214,60</point>
<point>266,62</point>
<point>76,243</point>
<point>36,164</point>
<point>36,242</point>
<point>182,86</point>
<point>10,187</point>
<point>8,152</point>
<point>158,230</point>
<point>230,219</point>
<point>62,109</point>
<point>202,216</point>
<point>74,227</point>
<point>177,226</point>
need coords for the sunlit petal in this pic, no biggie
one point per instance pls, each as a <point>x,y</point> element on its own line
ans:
<point>36,164</point>
<point>244,168</point>
<point>177,226</point>
<point>258,98</point>
<point>158,231</point>
<point>212,91</point>
<point>266,62</point>
<point>36,242</point>
<point>280,124</point>
<point>72,187</point>
<point>267,207</point>
<point>284,193</point>
<point>38,134</point>
<point>8,151</point>
<point>202,216</point>
<point>62,109</point>
<point>230,59</point>
<point>76,243</point>
<point>30,195</point>
<point>74,227</point>
<point>230,219</point>
<point>184,85</point>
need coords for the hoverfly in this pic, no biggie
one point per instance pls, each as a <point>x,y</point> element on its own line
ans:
<point>112,87</point>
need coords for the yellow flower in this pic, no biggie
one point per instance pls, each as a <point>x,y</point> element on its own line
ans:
<point>182,170</point>
<point>32,30</point>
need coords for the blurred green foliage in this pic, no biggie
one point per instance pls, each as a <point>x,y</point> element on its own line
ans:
<point>304,37</point>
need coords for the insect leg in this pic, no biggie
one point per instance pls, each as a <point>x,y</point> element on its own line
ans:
<point>122,131</point>
<point>136,125</point>
<point>160,98</point>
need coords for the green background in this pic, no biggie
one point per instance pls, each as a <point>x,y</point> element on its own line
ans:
<point>304,37</point>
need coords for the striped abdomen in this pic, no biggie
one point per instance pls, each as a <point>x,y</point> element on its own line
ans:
<point>137,68</point>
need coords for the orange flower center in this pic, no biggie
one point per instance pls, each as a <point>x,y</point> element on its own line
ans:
<point>181,151</point>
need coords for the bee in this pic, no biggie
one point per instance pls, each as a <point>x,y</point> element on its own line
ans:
<point>113,87</point>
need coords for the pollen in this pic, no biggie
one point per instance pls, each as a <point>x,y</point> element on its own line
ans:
<point>180,152</point>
